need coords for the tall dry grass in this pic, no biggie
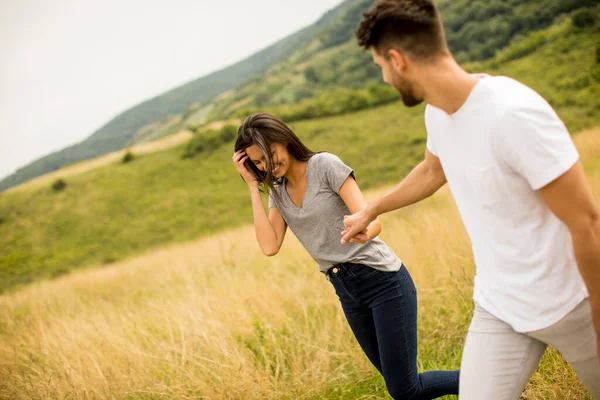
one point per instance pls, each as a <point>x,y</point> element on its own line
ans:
<point>214,319</point>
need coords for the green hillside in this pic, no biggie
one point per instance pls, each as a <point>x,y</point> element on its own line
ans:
<point>124,209</point>
<point>316,72</point>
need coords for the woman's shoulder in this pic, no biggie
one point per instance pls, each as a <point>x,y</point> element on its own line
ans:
<point>324,158</point>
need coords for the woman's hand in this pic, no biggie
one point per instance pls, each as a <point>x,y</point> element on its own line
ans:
<point>239,158</point>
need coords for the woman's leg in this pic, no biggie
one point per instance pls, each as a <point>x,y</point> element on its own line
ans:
<point>361,322</point>
<point>360,319</point>
<point>395,318</point>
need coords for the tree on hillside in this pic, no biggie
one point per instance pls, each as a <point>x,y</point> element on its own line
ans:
<point>311,75</point>
<point>584,18</point>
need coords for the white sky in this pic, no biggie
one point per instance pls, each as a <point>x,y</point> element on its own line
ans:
<point>68,66</point>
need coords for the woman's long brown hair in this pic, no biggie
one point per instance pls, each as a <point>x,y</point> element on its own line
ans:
<point>262,130</point>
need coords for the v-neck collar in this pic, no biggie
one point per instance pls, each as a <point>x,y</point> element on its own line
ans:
<point>305,189</point>
<point>470,97</point>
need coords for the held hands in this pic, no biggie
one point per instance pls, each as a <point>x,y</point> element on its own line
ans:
<point>356,228</point>
<point>239,158</point>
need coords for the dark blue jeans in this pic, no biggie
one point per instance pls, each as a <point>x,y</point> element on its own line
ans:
<point>381,308</point>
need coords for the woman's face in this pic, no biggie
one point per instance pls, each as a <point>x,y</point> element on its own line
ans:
<point>280,158</point>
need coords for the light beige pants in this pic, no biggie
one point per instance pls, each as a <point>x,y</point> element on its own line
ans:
<point>497,361</point>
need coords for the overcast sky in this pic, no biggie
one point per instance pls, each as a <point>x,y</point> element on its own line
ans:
<point>68,66</point>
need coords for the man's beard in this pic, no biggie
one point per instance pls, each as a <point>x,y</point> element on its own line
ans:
<point>406,90</point>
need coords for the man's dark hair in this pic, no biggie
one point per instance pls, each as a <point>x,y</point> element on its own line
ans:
<point>412,26</point>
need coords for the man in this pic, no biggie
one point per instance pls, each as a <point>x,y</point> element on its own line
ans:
<point>521,192</point>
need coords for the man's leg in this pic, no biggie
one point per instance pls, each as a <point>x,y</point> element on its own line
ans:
<point>574,337</point>
<point>497,362</point>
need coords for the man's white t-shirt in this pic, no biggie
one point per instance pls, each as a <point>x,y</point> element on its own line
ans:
<point>497,150</point>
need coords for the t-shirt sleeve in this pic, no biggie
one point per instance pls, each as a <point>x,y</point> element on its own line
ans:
<point>430,141</point>
<point>332,171</point>
<point>431,146</point>
<point>272,203</point>
<point>536,144</point>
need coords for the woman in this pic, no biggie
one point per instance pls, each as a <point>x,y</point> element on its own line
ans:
<point>311,192</point>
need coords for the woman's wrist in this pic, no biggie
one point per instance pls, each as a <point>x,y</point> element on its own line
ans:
<point>374,229</point>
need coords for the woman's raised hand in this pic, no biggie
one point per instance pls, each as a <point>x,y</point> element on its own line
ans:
<point>239,158</point>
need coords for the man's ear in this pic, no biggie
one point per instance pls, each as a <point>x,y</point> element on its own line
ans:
<point>396,59</point>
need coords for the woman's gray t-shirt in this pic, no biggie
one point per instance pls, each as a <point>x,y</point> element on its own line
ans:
<point>320,221</point>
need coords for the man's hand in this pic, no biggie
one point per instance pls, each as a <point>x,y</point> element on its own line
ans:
<point>356,227</point>
<point>359,238</point>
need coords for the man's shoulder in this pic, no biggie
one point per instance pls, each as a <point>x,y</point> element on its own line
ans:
<point>510,94</point>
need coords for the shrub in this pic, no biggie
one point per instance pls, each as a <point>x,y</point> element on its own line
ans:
<point>335,102</point>
<point>303,93</point>
<point>208,141</point>
<point>584,18</point>
<point>59,185</point>
<point>109,259</point>
<point>128,157</point>
<point>311,75</point>
<point>228,133</point>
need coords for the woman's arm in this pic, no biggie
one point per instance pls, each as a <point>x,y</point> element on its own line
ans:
<point>423,181</point>
<point>270,230</point>
<point>355,201</point>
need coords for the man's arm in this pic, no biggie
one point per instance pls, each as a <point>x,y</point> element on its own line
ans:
<point>571,199</point>
<point>423,181</point>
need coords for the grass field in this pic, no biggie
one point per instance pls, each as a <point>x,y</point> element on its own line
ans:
<point>214,319</point>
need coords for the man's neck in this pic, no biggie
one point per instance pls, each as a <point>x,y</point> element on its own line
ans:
<point>447,86</point>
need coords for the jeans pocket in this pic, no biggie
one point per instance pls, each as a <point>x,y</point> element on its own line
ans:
<point>359,271</point>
